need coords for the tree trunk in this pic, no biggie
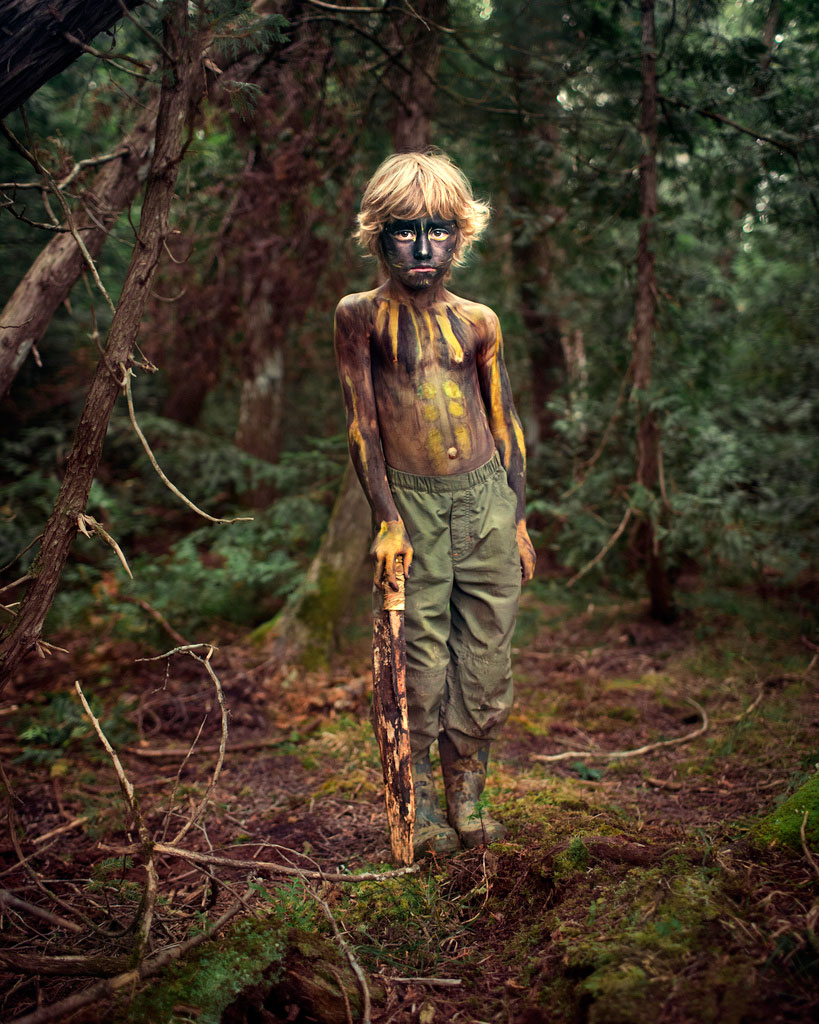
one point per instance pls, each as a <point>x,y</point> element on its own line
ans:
<point>648,430</point>
<point>52,275</point>
<point>36,43</point>
<point>416,39</point>
<point>306,630</point>
<point>181,91</point>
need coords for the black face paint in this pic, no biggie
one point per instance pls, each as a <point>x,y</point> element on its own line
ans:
<point>419,252</point>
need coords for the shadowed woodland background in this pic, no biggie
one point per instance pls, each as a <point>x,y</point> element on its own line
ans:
<point>652,255</point>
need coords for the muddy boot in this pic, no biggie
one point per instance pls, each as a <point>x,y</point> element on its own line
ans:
<point>431,833</point>
<point>464,779</point>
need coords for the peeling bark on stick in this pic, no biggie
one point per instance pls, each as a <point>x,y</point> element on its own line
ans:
<point>54,272</point>
<point>391,722</point>
<point>181,91</point>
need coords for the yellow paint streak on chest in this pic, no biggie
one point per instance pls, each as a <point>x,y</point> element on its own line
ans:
<point>456,353</point>
<point>381,318</point>
<point>394,307</point>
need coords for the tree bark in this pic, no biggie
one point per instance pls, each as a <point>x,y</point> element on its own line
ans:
<point>35,41</point>
<point>417,41</point>
<point>51,276</point>
<point>182,88</point>
<point>306,630</point>
<point>648,430</point>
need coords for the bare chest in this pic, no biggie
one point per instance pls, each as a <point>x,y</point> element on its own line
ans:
<point>420,343</point>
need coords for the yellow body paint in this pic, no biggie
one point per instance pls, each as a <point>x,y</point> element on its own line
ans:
<point>452,390</point>
<point>394,307</point>
<point>456,353</point>
<point>354,428</point>
<point>436,447</point>
<point>464,441</point>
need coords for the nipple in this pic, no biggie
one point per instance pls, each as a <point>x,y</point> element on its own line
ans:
<point>452,453</point>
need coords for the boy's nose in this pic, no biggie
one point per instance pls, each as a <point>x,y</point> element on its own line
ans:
<point>422,249</point>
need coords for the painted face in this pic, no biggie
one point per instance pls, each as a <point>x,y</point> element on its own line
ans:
<point>419,252</point>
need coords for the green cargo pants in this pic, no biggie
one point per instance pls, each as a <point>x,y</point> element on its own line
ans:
<point>461,602</point>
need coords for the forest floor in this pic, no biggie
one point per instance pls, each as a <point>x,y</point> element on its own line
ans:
<point>680,884</point>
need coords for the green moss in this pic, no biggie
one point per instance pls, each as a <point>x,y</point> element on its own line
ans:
<point>211,977</point>
<point>783,825</point>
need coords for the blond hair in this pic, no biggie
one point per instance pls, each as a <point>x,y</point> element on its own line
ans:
<point>407,185</point>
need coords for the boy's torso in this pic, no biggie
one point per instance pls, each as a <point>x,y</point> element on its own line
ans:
<point>425,370</point>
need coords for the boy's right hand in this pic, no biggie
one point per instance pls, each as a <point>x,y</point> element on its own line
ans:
<point>390,542</point>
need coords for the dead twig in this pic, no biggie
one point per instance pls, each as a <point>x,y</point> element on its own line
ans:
<point>126,384</point>
<point>805,847</point>
<point>8,899</point>
<point>85,521</point>
<point>440,982</point>
<point>355,966</point>
<point>156,615</point>
<point>143,927</point>
<point>601,554</point>
<point>614,755</point>
<point>220,696</point>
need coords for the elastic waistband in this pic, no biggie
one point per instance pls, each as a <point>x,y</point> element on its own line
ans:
<point>441,484</point>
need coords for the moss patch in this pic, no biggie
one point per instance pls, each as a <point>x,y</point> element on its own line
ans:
<point>783,825</point>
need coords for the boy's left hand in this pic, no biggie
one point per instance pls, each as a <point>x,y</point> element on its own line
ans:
<point>528,558</point>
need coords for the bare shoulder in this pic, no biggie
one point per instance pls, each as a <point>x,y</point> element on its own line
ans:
<point>483,318</point>
<point>356,308</point>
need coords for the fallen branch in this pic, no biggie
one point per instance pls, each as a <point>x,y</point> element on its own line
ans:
<point>437,982</point>
<point>195,857</point>
<point>26,962</point>
<point>8,899</point>
<point>614,755</point>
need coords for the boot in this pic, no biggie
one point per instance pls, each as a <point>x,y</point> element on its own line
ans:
<point>431,833</point>
<point>464,779</point>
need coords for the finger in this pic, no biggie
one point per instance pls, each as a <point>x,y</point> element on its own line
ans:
<point>389,571</point>
<point>378,578</point>
<point>408,556</point>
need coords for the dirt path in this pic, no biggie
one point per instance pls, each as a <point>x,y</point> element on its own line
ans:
<point>628,890</point>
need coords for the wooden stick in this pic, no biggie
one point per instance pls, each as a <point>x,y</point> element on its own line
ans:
<point>390,717</point>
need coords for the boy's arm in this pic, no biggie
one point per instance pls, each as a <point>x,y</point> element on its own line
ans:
<point>352,345</point>
<point>506,431</point>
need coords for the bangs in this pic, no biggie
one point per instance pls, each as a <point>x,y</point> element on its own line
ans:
<point>408,185</point>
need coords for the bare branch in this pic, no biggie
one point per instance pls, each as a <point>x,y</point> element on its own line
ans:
<point>270,867</point>
<point>84,521</point>
<point>601,554</point>
<point>8,899</point>
<point>127,374</point>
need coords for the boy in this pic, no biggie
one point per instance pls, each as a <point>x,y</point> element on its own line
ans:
<point>438,447</point>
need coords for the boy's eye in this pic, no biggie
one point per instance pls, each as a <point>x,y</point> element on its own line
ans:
<point>439,233</point>
<point>403,234</point>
